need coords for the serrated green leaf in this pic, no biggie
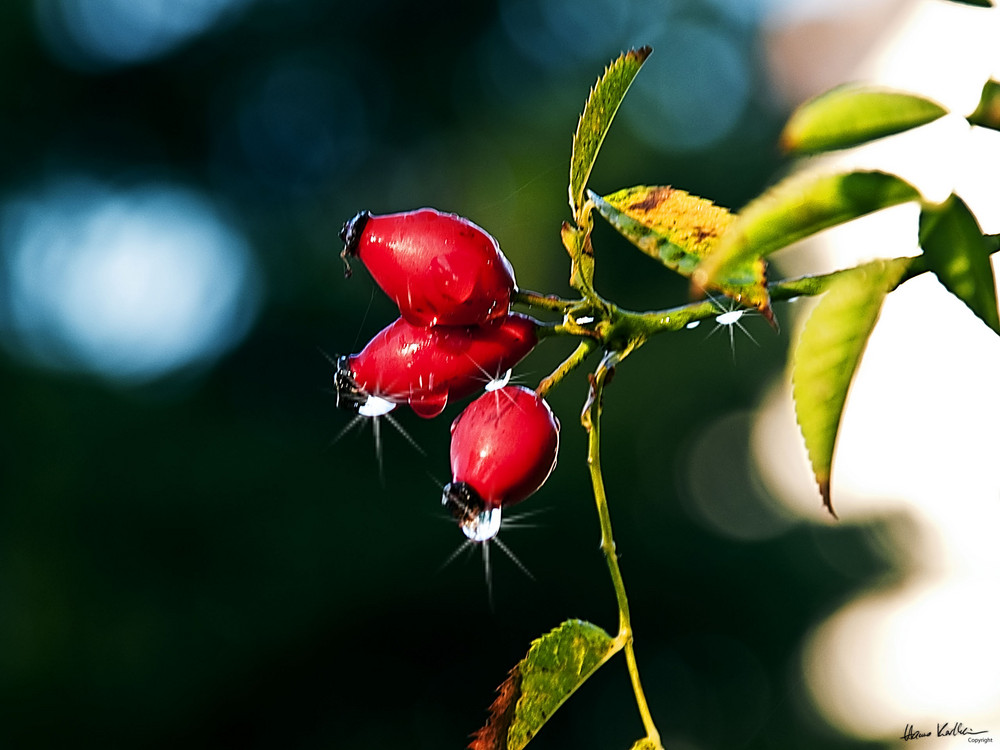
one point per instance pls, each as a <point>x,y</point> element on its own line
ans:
<point>554,667</point>
<point>828,353</point>
<point>798,207</point>
<point>680,230</point>
<point>849,116</point>
<point>987,114</point>
<point>602,104</point>
<point>959,255</point>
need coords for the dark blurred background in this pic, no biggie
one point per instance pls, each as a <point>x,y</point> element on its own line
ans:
<point>188,557</point>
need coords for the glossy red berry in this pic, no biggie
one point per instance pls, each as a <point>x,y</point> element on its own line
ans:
<point>503,447</point>
<point>428,366</point>
<point>440,269</point>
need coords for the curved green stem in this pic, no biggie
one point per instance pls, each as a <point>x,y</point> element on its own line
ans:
<point>591,419</point>
<point>568,365</point>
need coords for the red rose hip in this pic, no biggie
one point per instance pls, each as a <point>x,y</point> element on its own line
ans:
<point>503,448</point>
<point>439,269</point>
<point>428,366</point>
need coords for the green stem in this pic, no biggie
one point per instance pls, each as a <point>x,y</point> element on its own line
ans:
<point>569,364</point>
<point>625,331</point>
<point>591,419</point>
<point>542,301</point>
<point>804,286</point>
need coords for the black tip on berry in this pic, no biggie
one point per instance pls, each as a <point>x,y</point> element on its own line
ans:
<point>463,502</point>
<point>349,396</point>
<point>350,234</point>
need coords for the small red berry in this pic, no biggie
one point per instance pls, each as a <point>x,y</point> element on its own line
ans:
<point>503,447</point>
<point>439,269</point>
<point>428,366</point>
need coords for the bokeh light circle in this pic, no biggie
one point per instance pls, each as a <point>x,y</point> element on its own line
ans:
<point>698,95</point>
<point>129,285</point>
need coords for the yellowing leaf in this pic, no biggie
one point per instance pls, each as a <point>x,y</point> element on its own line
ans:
<point>851,115</point>
<point>554,667</point>
<point>828,353</point>
<point>602,104</point>
<point>795,208</point>
<point>680,230</point>
<point>959,256</point>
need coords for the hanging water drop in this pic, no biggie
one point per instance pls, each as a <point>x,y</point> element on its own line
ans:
<point>483,526</point>
<point>375,407</point>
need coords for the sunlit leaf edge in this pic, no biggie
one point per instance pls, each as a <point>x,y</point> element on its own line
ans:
<point>531,712</point>
<point>602,104</point>
<point>959,255</point>
<point>797,207</point>
<point>828,353</point>
<point>851,115</point>
<point>987,112</point>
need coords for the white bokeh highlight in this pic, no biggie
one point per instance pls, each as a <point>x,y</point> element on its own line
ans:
<point>129,284</point>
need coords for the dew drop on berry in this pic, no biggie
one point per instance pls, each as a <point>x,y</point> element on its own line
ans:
<point>498,383</point>
<point>483,526</point>
<point>375,407</point>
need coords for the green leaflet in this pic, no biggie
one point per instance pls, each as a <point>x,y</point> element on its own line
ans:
<point>987,114</point>
<point>827,356</point>
<point>797,207</point>
<point>581,253</point>
<point>958,254</point>
<point>554,667</point>
<point>849,116</point>
<point>602,104</point>
<point>680,230</point>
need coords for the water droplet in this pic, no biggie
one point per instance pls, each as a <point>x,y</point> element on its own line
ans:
<point>429,405</point>
<point>729,318</point>
<point>498,383</point>
<point>585,319</point>
<point>483,526</point>
<point>693,324</point>
<point>375,407</point>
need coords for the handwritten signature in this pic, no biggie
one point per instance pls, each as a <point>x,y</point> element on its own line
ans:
<point>945,730</point>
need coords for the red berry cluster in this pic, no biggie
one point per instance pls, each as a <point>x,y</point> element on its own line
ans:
<point>455,333</point>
